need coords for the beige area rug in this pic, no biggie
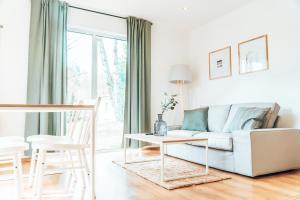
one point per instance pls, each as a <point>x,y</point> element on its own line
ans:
<point>150,170</point>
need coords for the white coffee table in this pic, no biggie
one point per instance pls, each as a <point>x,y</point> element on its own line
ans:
<point>162,141</point>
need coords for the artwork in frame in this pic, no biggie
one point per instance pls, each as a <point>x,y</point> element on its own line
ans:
<point>220,63</point>
<point>253,55</point>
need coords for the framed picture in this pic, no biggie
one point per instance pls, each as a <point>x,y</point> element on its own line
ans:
<point>253,55</point>
<point>220,63</point>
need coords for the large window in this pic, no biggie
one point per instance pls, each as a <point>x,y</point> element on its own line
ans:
<point>97,67</point>
<point>80,53</point>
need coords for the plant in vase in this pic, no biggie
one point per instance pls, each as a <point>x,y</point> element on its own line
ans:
<point>169,103</point>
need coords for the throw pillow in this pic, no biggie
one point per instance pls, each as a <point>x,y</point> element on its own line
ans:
<point>195,120</point>
<point>217,116</point>
<point>248,118</point>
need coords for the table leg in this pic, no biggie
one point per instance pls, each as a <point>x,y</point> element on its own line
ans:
<point>206,157</point>
<point>62,123</point>
<point>125,148</point>
<point>162,162</point>
<point>93,149</point>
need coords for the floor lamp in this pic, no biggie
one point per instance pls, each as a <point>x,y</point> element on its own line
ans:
<point>180,75</point>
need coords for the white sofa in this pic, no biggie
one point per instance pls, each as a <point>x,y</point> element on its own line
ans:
<point>247,152</point>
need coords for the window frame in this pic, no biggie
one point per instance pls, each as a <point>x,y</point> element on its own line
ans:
<point>95,35</point>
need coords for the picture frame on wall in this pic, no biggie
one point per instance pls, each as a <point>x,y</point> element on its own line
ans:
<point>253,55</point>
<point>220,63</point>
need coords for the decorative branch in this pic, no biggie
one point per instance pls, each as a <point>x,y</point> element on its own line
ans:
<point>169,103</point>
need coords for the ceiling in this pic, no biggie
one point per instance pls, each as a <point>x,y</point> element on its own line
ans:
<point>186,14</point>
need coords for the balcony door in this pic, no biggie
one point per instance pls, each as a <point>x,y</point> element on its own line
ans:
<point>97,67</point>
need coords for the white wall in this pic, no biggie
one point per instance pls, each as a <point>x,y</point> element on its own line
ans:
<point>94,22</point>
<point>169,46</point>
<point>14,15</point>
<point>280,19</point>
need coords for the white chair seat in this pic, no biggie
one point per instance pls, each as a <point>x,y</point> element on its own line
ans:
<point>11,139</point>
<point>12,148</point>
<point>60,147</point>
<point>12,144</point>
<point>49,139</point>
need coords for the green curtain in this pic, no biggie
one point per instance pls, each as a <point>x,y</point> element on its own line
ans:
<point>137,117</point>
<point>47,64</point>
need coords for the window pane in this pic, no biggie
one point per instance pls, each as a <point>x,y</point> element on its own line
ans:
<point>79,66</point>
<point>111,86</point>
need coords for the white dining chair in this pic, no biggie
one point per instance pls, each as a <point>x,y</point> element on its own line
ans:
<point>71,149</point>
<point>51,139</point>
<point>11,150</point>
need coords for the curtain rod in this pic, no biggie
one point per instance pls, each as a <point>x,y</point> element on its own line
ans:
<point>97,12</point>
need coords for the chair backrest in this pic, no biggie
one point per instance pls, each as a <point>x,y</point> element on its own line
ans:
<point>80,122</point>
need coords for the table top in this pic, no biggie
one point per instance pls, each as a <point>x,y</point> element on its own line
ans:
<point>164,139</point>
<point>43,107</point>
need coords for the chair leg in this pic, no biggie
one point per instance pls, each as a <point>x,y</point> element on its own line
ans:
<point>82,171</point>
<point>68,174</point>
<point>73,172</point>
<point>32,167</point>
<point>84,176</point>
<point>18,175</point>
<point>39,174</point>
<point>85,163</point>
<point>36,175</point>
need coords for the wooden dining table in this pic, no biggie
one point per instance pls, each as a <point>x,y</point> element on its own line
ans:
<point>62,108</point>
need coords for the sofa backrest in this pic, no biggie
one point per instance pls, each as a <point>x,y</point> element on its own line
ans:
<point>270,117</point>
<point>217,117</point>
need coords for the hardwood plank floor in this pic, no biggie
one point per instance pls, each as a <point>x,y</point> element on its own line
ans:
<point>115,183</point>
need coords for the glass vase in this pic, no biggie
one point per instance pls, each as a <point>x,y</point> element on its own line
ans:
<point>160,126</point>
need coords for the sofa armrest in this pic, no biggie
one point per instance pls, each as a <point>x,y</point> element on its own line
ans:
<point>174,127</point>
<point>264,151</point>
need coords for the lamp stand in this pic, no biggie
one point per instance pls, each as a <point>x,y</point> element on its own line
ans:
<point>180,85</point>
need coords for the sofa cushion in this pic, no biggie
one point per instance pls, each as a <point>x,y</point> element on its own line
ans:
<point>195,120</point>
<point>248,118</point>
<point>217,116</point>
<point>221,141</point>
<point>270,117</point>
<point>186,133</point>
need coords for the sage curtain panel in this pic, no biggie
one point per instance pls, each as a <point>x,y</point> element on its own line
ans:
<point>138,78</point>
<point>47,63</point>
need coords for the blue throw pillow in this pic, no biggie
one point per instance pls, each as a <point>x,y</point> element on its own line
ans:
<point>195,120</point>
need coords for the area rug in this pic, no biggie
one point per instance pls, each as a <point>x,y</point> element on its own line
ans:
<point>174,167</point>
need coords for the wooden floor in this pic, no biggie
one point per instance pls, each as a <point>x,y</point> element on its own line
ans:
<point>115,183</point>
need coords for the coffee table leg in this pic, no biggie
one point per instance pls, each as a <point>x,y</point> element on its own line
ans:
<point>206,157</point>
<point>162,162</point>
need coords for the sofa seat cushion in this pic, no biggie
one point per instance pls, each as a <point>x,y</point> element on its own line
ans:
<point>185,133</point>
<point>221,141</point>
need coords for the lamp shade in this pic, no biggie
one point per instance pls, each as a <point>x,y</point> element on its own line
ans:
<point>180,73</point>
